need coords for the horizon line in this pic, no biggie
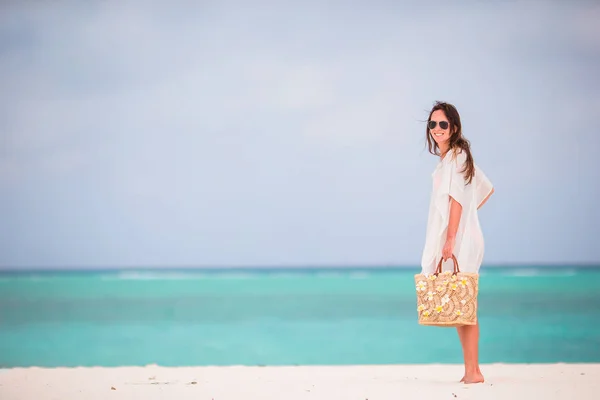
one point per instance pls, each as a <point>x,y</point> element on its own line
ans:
<point>375,266</point>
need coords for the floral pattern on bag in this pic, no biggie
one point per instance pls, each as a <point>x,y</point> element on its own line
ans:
<point>448,298</point>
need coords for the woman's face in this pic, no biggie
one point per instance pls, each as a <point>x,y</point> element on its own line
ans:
<point>439,127</point>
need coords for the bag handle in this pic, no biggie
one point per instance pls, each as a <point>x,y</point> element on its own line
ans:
<point>438,270</point>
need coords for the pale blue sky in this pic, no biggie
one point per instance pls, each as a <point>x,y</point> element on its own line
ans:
<point>249,133</point>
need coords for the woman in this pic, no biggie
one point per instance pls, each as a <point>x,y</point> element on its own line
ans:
<point>460,188</point>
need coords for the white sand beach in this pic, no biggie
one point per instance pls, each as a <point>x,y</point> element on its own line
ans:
<point>503,381</point>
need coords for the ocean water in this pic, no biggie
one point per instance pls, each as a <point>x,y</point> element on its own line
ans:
<point>287,317</point>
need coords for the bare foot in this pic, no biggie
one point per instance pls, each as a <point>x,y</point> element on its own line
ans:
<point>463,378</point>
<point>473,378</point>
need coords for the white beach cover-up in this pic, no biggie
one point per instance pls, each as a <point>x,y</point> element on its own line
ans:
<point>449,181</point>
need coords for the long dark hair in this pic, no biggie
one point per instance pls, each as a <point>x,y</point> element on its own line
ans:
<point>456,141</point>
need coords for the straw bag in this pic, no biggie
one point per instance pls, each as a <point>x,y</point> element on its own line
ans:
<point>447,299</point>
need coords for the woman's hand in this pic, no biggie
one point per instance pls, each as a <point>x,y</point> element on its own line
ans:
<point>448,249</point>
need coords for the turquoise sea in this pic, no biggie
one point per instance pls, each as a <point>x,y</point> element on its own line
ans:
<point>287,317</point>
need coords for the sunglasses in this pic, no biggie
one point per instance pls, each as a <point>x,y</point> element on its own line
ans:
<point>433,124</point>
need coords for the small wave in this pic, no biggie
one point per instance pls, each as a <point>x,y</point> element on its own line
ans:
<point>286,275</point>
<point>232,275</point>
<point>39,278</point>
<point>330,274</point>
<point>175,275</point>
<point>539,272</point>
<point>359,275</point>
<point>143,276</point>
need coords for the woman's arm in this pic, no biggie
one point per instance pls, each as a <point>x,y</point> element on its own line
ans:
<point>486,199</point>
<point>455,213</point>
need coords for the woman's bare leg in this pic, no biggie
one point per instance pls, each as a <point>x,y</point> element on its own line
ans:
<point>469,339</point>
<point>461,336</point>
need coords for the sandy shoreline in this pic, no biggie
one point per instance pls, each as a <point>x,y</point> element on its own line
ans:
<point>514,381</point>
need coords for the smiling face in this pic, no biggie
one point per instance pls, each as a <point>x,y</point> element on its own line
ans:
<point>438,133</point>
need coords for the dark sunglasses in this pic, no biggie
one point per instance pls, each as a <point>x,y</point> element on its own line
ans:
<point>433,124</point>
